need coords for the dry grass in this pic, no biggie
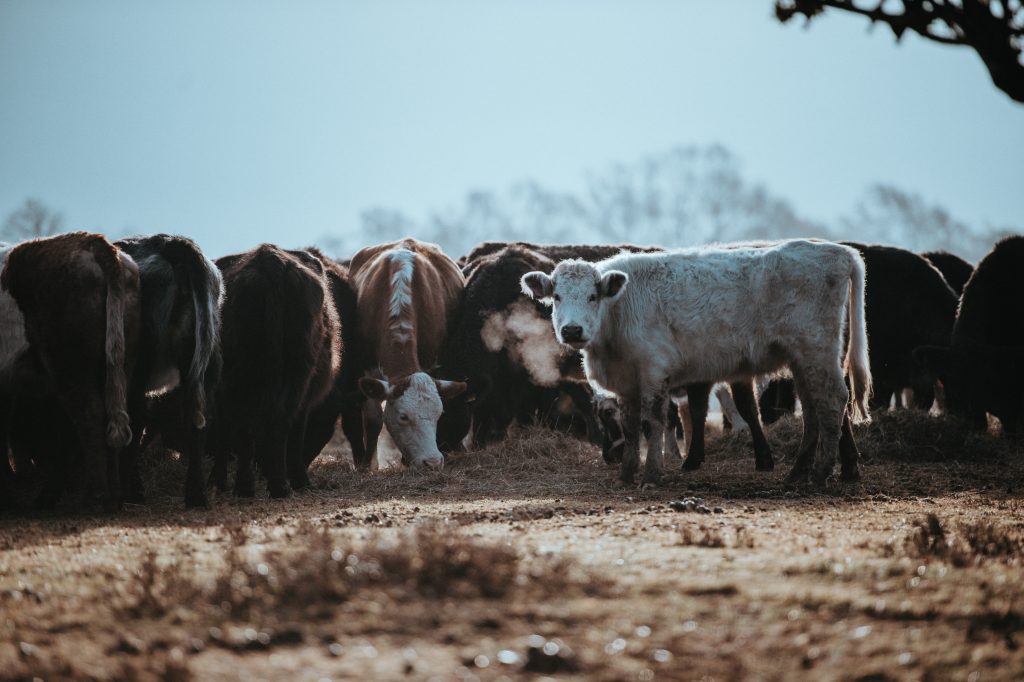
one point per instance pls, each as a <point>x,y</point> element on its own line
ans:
<point>963,544</point>
<point>317,570</point>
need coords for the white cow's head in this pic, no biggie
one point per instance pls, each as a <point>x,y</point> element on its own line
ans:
<point>577,291</point>
<point>411,413</point>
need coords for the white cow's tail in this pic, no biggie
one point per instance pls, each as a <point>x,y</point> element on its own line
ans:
<point>858,367</point>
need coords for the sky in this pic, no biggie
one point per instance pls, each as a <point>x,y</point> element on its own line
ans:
<point>237,123</point>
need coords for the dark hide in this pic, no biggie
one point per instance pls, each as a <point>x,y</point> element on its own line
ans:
<point>907,304</point>
<point>360,422</point>
<point>180,325</point>
<point>982,367</point>
<point>80,299</point>
<point>501,390</point>
<point>279,340</point>
<point>954,269</point>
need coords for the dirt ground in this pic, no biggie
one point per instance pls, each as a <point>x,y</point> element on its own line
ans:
<point>529,560</point>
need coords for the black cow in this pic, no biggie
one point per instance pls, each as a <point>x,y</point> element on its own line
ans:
<point>501,343</point>
<point>361,419</point>
<point>280,345</point>
<point>907,304</point>
<point>180,324</point>
<point>982,366</point>
<point>954,269</point>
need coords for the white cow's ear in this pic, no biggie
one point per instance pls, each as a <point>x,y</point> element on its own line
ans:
<point>537,285</point>
<point>612,284</point>
<point>375,389</point>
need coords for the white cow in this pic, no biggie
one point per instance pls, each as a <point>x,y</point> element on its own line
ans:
<point>650,323</point>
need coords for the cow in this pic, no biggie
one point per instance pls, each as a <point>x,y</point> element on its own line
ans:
<point>502,345</point>
<point>981,367</point>
<point>954,269</point>
<point>407,294</point>
<point>644,321</point>
<point>907,304</point>
<point>181,299</point>
<point>281,354</point>
<point>79,296</point>
<point>13,346</point>
<point>361,419</point>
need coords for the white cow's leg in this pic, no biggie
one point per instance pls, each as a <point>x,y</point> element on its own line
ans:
<point>831,395</point>
<point>809,439</point>
<point>654,411</point>
<point>631,431</point>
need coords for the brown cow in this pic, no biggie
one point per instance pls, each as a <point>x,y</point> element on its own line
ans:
<point>407,292</point>
<point>281,351</point>
<point>79,295</point>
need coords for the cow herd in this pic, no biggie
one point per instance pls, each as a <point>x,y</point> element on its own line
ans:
<point>107,347</point>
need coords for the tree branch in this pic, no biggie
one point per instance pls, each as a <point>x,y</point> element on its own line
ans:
<point>996,37</point>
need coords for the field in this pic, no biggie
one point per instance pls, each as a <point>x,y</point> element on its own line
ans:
<point>528,559</point>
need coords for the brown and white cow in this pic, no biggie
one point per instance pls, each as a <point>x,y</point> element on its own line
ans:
<point>79,296</point>
<point>407,292</point>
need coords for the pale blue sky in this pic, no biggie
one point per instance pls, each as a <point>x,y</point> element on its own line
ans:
<point>242,122</point>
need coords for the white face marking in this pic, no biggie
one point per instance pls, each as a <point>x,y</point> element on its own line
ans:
<point>401,280</point>
<point>411,419</point>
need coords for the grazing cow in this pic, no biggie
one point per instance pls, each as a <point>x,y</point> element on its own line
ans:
<point>982,366</point>
<point>643,321</point>
<point>501,343</point>
<point>280,346</point>
<point>408,292</point>
<point>180,322</point>
<point>954,268</point>
<point>13,346</point>
<point>345,399</point>
<point>79,296</point>
<point>907,304</point>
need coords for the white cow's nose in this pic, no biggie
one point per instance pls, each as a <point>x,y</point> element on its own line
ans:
<point>433,462</point>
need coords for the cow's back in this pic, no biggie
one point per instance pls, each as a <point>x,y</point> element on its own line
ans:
<point>433,295</point>
<point>955,270</point>
<point>272,307</point>
<point>992,307</point>
<point>749,299</point>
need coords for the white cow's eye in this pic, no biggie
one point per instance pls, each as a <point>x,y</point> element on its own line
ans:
<point>403,417</point>
<point>593,297</point>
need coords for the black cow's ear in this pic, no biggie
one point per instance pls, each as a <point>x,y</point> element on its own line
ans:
<point>933,358</point>
<point>612,283</point>
<point>375,389</point>
<point>538,285</point>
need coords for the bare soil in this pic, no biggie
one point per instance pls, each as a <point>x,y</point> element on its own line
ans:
<point>528,559</point>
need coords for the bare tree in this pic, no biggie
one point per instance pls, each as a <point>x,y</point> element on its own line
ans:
<point>33,219</point>
<point>889,215</point>
<point>994,29</point>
